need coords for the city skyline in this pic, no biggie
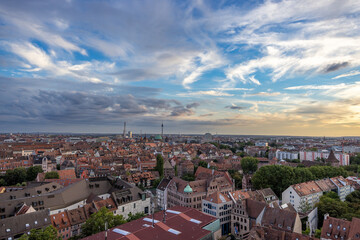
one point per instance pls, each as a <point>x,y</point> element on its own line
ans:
<point>226,67</point>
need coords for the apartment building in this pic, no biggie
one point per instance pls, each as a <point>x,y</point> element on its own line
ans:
<point>308,193</point>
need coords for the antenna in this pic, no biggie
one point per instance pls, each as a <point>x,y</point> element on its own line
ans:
<point>106,230</point>
<point>162,129</point>
<point>124,133</point>
<point>164,220</point>
<point>152,212</point>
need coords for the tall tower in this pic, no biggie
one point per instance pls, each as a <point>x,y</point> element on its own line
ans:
<point>124,133</point>
<point>162,130</point>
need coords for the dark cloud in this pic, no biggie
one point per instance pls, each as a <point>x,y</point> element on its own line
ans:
<point>75,107</point>
<point>235,107</point>
<point>207,115</point>
<point>193,105</point>
<point>137,74</point>
<point>335,66</point>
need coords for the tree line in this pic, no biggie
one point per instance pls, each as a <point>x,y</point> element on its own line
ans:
<point>20,175</point>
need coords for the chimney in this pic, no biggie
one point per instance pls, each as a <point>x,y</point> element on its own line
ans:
<point>326,216</point>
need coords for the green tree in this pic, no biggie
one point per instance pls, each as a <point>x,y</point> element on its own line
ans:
<point>52,175</point>
<point>135,216</point>
<point>2,182</point>
<point>160,164</point>
<point>156,182</point>
<point>188,177</point>
<point>96,222</point>
<point>237,178</point>
<point>18,175</point>
<point>302,175</point>
<point>49,232</point>
<point>32,172</point>
<point>202,164</point>
<point>304,207</point>
<point>276,177</point>
<point>249,164</point>
<point>318,233</point>
<point>355,159</point>
<point>334,207</point>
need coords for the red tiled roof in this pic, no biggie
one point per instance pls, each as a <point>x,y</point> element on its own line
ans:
<point>182,220</point>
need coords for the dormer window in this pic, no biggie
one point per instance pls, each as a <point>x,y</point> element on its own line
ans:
<point>27,225</point>
<point>330,225</point>
<point>36,222</point>
<point>8,230</point>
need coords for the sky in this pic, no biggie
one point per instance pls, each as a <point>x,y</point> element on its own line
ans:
<point>228,67</point>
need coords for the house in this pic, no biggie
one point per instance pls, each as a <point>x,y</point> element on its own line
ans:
<point>169,171</point>
<point>15,227</point>
<point>161,193</point>
<point>305,195</point>
<point>249,213</point>
<point>266,233</point>
<point>334,228</point>
<point>219,205</point>
<point>62,224</point>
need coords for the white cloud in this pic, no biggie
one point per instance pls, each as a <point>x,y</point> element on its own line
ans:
<point>208,60</point>
<point>318,87</point>
<point>205,93</point>
<point>234,89</point>
<point>266,94</point>
<point>349,74</point>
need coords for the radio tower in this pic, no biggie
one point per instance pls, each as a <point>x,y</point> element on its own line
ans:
<point>162,130</point>
<point>124,133</point>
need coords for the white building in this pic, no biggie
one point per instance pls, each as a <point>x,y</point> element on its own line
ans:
<point>261,144</point>
<point>281,155</point>
<point>161,193</point>
<point>344,158</point>
<point>219,205</point>
<point>304,196</point>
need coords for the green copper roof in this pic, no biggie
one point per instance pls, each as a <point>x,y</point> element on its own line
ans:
<point>188,189</point>
<point>158,137</point>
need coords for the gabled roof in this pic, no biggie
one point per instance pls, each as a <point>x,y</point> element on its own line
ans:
<point>217,197</point>
<point>163,184</point>
<point>23,223</point>
<point>181,223</point>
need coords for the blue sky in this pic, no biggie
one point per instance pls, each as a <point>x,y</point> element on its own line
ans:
<point>231,67</point>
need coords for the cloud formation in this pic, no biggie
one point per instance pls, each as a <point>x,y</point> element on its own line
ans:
<point>180,62</point>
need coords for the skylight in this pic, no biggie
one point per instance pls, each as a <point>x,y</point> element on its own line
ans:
<point>150,220</point>
<point>172,211</point>
<point>123,232</point>
<point>195,221</point>
<point>174,231</point>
